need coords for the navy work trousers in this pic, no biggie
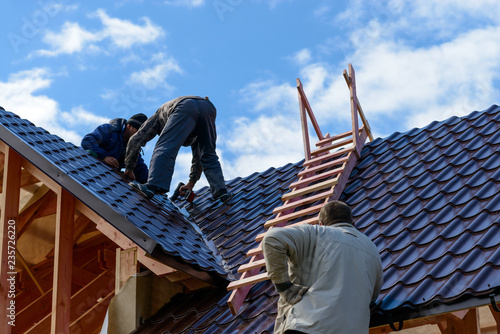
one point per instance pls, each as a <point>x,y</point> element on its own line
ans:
<point>191,117</point>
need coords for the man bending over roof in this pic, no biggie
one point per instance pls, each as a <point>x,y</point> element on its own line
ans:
<point>326,275</point>
<point>184,121</point>
<point>108,142</point>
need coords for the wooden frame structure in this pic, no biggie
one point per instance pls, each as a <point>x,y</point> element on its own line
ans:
<point>325,174</point>
<point>68,287</point>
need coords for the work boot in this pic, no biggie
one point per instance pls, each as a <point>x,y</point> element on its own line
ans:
<point>142,188</point>
<point>226,197</point>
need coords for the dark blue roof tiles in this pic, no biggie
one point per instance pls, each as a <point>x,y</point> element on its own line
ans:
<point>162,224</point>
<point>493,205</point>
<point>444,203</point>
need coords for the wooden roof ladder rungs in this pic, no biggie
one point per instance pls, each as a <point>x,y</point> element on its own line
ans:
<point>325,174</point>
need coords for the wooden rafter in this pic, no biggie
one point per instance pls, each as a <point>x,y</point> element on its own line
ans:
<point>9,217</point>
<point>63,258</point>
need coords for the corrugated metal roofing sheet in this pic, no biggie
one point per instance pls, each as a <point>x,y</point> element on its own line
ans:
<point>429,199</point>
<point>105,191</point>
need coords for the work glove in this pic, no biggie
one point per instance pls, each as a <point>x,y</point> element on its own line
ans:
<point>293,293</point>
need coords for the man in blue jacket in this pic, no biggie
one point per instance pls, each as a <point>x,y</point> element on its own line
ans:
<point>108,142</point>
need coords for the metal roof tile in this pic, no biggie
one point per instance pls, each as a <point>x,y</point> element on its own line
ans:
<point>427,198</point>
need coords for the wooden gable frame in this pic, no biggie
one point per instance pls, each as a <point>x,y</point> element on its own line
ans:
<point>69,290</point>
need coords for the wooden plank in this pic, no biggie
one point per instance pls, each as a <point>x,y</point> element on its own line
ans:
<point>63,257</point>
<point>237,297</point>
<point>293,215</point>
<point>126,266</point>
<point>8,239</point>
<point>247,281</point>
<point>251,265</point>
<point>303,201</point>
<point>44,178</point>
<point>354,108</point>
<point>332,146</point>
<point>32,207</point>
<point>91,321</point>
<point>81,276</point>
<point>83,301</point>
<point>469,324</point>
<point>496,316</point>
<point>116,236</point>
<point>310,170</point>
<point>328,139</point>
<point>158,268</point>
<point>254,251</point>
<point>310,189</point>
<point>305,128</point>
<point>303,96</point>
<point>87,297</point>
<point>328,156</point>
<point>360,110</point>
<point>310,221</point>
<point>34,312</point>
<point>317,177</point>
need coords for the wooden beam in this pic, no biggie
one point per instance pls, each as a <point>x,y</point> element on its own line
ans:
<point>9,218</point>
<point>354,108</point>
<point>63,257</point>
<point>496,316</point>
<point>44,178</point>
<point>92,320</point>
<point>25,266</point>
<point>34,312</point>
<point>458,323</point>
<point>83,301</point>
<point>32,208</point>
<point>360,110</point>
<point>307,106</point>
<point>126,266</point>
<point>158,268</point>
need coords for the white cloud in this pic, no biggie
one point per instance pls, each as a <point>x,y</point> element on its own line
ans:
<point>268,141</point>
<point>156,75</point>
<point>72,38</point>
<point>268,94</point>
<point>400,84</point>
<point>78,116</point>
<point>19,94</point>
<point>302,57</point>
<point>125,34</point>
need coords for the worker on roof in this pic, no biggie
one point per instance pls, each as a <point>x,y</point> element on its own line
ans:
<point>184,121</point>
<point>326,275</point>
<point>108,142</point>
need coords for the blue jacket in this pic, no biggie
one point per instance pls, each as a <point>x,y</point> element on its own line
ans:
<point>107,140</point>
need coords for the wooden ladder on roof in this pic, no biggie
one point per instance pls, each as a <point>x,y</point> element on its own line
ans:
<point>325,174</point>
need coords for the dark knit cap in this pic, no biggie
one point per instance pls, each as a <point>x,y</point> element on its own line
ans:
<point>137,120</point>
<point>1,108</point>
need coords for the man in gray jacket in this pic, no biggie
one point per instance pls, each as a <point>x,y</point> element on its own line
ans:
<point>326,275</point>
<point>184,121</point>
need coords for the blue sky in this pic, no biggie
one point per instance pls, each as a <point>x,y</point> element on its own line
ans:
<point>69,66</point>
